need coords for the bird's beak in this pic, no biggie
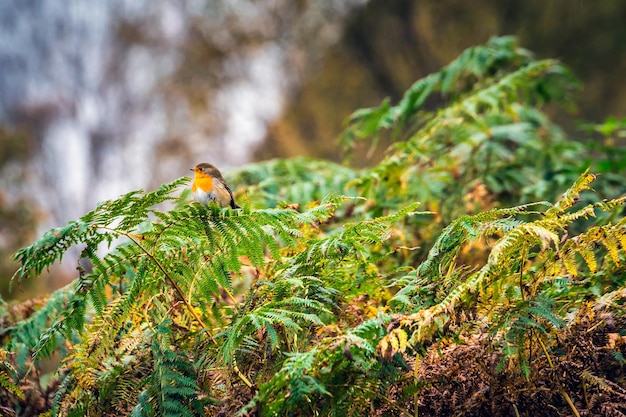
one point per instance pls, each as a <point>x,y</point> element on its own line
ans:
<point>190,169</point>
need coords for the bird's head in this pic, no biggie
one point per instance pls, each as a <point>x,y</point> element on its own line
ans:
<point>205,169</point>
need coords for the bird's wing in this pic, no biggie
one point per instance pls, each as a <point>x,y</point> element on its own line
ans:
<point>233,204</point>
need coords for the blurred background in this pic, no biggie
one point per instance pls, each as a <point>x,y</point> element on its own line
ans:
<point>101,98</point>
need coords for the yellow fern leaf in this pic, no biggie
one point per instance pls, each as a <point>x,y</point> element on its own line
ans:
<point>611,243</point>
<point>569,198</point>
<point>402,339</point>
<point>570,264</point>
<point>393,341</point>
<point>589,257</point>
<point>545,236</point>
<point>621,236</point>
<point>383,347</point>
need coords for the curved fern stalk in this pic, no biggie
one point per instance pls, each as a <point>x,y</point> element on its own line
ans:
<point>170,279</point>
<point>114,265</point>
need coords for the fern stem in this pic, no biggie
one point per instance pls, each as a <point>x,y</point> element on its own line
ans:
<point>231,296</point>
<point>416,380</point>
<point>545,351</point>
<point>176,288</point>
<point>521,273</point>
<point>569,400</point>
<point>585,395</point>
<point>240,375</point>
<point>169,278</point>
<point>561,388</point>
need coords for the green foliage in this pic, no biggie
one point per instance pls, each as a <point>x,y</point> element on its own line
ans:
<point>339,375</point>
<point>8,375</point>
<point>325,304</point>
<point>294,181</point>
<point>172,389</point>
<point>489,142</point>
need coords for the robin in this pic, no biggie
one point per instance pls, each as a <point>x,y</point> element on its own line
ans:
<point>209,185</point>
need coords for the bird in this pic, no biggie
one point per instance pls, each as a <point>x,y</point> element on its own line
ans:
<point>209,185</point>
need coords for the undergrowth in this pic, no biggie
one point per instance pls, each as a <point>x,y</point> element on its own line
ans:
<point>473,271</point>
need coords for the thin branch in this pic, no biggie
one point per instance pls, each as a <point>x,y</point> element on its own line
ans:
<point>169,278</point>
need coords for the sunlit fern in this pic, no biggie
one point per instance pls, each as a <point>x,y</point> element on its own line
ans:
<point>313,294</point>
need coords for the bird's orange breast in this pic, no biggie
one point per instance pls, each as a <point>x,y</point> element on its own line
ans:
<point>204,183</point>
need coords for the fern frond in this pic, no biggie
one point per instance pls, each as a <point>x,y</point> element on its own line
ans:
<point>570,197</point>
<point>499,273</point>
<point>127,212</point>
<point>8,375</point>
<point>293,181</point>
<point>473,64</point>
<point>25,334</point>
<point>284,314</point>
<point>172,390</point>
<point>303,377</point>
<point>295,380</point>
<point>441,256</point>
